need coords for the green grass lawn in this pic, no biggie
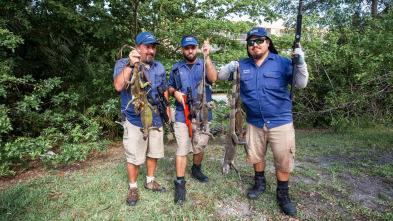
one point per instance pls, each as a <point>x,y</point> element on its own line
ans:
<point>338,176</point>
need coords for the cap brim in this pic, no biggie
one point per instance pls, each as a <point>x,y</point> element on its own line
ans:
<point>150,42</point>
<point>255,35</point>
<point>186,44</point>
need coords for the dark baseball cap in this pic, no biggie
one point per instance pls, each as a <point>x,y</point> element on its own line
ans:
<point>146,38</point>
<point>189,40</point>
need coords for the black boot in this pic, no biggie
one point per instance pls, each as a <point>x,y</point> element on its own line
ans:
<point>180,194</point>
<point>197,173</point>
<point>284,201</point>
<point>258,188</point>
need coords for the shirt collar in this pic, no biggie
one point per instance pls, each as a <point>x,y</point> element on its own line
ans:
<point>152,65</point>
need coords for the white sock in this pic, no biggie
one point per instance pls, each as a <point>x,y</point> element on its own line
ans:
<point>149,179</point>
<point>133,185</point>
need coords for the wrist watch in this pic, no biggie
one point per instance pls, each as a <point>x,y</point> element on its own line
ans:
<point>128,64</point>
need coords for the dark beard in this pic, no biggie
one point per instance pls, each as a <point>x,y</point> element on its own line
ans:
<point>257,56</point>
<point>190,59</point>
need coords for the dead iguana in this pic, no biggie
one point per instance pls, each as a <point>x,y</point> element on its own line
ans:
<point>235,128</point>
<point>203,107</point>
<point>146,113</point>
<point>137,89</point>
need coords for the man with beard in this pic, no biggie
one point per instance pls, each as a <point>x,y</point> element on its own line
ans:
<point>137,149</point>
<point>264,77</point>
<point>189,72</point>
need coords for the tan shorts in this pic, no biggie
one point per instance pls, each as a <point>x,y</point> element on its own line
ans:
<point>137,149</point>
<point>282,141</point>
<point>184,144</point>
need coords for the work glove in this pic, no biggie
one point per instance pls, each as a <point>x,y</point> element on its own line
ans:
<point>299,52</point>
<point>227,70</point>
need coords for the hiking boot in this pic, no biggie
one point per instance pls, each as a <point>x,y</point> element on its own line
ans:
<point>284,201</point>
<point>154,186</point>
<point>258,188</point>
<point>180,194</point>
<point>132,196</point>
<point>197,173</point>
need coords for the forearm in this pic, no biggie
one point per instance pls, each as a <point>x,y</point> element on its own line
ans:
<point>124,75</point>
<point>302,76</point>
<point>211,71</point>
<point>168,109</point>
<point>225,72</point>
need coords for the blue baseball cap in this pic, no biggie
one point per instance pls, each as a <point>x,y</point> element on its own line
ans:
<point>259,31</point>
<point>188,40</point>
<point>146,38</point>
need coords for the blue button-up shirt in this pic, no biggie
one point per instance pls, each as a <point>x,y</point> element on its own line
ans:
<point>264,90</point>
<point>157,75</point>
<point>189,78</point>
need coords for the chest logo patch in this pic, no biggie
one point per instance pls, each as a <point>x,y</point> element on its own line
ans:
<point>246,71</point>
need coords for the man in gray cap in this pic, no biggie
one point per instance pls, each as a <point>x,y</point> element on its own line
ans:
<point>137,149</point>
<point>190,72</point>
<point>264,77</point>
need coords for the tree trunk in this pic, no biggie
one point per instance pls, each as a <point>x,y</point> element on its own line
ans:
<point>135,17</point>
<point>374,8</point>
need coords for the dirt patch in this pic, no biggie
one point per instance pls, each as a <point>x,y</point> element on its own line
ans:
<point>378,157</point>
<point>235,207</point>
<point>371,192</point>
<point>36,169</point>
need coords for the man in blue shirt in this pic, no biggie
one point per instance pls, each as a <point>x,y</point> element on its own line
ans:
<point>136,148</point>
<point>189,72</point>
<point>264,77</point>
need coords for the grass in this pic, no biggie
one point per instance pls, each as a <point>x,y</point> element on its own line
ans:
<point>342,176</point>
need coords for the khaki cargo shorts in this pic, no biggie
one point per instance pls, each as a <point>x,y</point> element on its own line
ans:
<point>184,144</point>
<point>137,149</point>
<point>282,141</point>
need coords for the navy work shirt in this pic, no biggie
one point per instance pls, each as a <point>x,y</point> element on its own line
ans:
<point>189,78</point>
<point>157,75</point>
<point>264,90</point>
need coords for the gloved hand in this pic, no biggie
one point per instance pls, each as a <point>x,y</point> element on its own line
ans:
<point>299,52</point>
<point>227,70</point>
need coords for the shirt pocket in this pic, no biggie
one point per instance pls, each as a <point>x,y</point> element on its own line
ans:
<point>198,77</point>
<point>185,82</point>
<point>158,80</point>
<point>247,82</point>
<point>274,80</point>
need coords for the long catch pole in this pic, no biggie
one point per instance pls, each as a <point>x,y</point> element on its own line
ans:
<point>295,58</point>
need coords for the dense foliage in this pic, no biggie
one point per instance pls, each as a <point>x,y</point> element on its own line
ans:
<point>57,57</point>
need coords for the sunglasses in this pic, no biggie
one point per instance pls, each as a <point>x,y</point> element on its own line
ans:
<point>258,41</point>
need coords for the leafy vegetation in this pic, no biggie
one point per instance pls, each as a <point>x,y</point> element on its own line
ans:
<point>57,57</point>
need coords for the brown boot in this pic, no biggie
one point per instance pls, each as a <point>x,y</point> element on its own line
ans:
<point>153,185</point>
<point>132,196</point>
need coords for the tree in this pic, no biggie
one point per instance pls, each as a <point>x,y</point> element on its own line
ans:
<point>58,56</point>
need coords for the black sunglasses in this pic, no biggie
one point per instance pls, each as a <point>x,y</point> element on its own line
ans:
<point>258,41</point>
